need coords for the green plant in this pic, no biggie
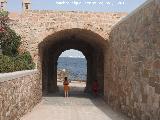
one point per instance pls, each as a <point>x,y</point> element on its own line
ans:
<point>10,42</point>
<point>18,63</point>
<point>6,64</point>
<point>3,18</point>
<point>25,61</point>
<point>11,60</point>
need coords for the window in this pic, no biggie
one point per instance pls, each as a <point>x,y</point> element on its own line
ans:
<point>2,4</point>
<point>26,6</point>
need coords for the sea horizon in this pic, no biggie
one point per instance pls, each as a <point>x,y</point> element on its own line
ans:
<point>75,66</point>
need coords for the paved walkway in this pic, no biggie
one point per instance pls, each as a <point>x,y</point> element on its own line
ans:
<point>78,106</point>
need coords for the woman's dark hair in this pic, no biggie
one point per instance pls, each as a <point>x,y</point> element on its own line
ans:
<point>65,78</point>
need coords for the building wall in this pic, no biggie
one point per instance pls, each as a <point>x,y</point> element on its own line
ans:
<point>19,93</point>
<point>133,82</point>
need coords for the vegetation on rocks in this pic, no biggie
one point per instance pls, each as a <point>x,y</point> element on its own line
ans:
<point>10,59</point>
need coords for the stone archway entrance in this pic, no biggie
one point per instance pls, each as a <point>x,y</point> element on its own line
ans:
<point>89,43</point>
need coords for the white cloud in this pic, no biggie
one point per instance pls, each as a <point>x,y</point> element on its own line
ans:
<point>72,53</point>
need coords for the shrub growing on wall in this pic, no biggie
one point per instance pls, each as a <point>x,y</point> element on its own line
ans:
<point>10,59</point>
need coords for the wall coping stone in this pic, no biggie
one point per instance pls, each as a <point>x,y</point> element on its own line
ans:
<point>70,11</point>
<point>13,75</point>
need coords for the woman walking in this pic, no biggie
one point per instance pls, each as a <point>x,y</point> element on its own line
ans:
<point>66,87</point>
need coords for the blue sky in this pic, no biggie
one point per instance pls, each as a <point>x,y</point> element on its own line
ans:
<point>84,5</point>
<point>80,5</point>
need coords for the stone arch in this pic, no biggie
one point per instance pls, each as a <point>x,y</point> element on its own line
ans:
<point>92,45</point>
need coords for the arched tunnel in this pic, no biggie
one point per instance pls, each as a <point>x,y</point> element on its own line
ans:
<point>92,45</point>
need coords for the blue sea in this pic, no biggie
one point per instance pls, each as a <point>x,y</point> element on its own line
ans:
<point>77,67</point>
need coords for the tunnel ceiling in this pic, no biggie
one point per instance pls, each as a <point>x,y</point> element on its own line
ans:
<point>85,41</point>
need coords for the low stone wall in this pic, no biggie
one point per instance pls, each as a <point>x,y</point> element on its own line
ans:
<point>61,74</point>
<point>133,85</point>
<point>19,93</point>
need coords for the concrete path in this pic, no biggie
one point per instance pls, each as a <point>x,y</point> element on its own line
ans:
<point>78,106</point>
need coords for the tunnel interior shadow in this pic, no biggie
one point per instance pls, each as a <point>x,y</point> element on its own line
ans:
<point>91,44</point>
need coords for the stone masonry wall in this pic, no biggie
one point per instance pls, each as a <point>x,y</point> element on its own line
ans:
<point>19,93</point>
<point>133,83</point>
<point>34,26</point>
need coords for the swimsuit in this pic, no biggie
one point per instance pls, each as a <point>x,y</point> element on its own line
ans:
<point>66,87</point>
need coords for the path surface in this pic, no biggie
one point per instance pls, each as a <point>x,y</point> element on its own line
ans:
<point>78,106</point>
